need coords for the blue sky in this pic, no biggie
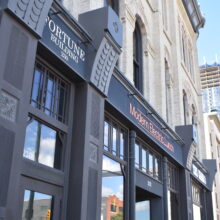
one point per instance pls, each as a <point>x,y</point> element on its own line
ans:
<point>209,38</point>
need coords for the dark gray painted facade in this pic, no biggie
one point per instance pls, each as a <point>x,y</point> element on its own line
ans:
<point>86,63</point>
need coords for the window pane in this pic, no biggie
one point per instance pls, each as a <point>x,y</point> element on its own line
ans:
<point>122,142</point>
<point>47,146</point>
<point>31,140</point>
<point>196,212</point>
<point>37,90</point>
<point>42,144</point>
<point>137,161</point>
<point>156,167</point>
<point>114,141</point>
<point>150,164</point>
<point>49,93</point>
<point>106,136</point>
<point>49,97</point>
<point>142,210</point>
<point>144,160</point>
<point>36,206</point>
<point>112,190</point>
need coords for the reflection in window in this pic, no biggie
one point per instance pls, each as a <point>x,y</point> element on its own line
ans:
<point>112,190</point>
<point>49,93</point>
<point>43,144</point>
<point>114,141</point>
<point>143,210</point>
<point>137,155</point>
<point>37,206</point>
<point>151,166</point>
<point>144,160</point>
<point>122,143</point>
<point>106,135</point>
<point>114,138</point>
<point>156,167</point>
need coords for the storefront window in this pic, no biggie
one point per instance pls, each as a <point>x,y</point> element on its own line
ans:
<point>112,190</point>
<point>114,138</point>
<point>150,168</point>
<point>106,136</point>
<point>49,93</point>
<point>37,206</point>
<point>147,161</point>
<point>114,141</point>
<point>137,155</point>
<point>122,143</point>
<point>43,144</point>
<point>144,160</point>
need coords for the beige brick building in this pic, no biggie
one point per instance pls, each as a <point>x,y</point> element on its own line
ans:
<point>169,65</point>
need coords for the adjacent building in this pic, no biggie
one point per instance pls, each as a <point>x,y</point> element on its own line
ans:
<point>100,111</point>
<point>212,134</point>
<point>210,80</point>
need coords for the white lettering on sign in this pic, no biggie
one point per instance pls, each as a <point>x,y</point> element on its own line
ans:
<point>69,48</point>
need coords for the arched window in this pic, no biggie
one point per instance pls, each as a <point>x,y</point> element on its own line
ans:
<point>185,107</point>
<point>114,4</point>
<point>194,120</point>
<point>137,58</point>
<point>168,92</point>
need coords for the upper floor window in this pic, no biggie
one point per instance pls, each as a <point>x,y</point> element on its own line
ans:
<point>114,4</point>
<point>114,138</point>
<point>147,160</point>
<point>185,107</point>
<point>49,93</point>
<point>137,58</point>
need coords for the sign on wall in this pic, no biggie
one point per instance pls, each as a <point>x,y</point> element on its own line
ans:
<point>64,43</point>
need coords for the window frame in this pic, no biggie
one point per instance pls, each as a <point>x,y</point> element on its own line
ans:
<point>137,58</point>
<point>120,129</point>
<point>149,151</point>
<point>46,71</point>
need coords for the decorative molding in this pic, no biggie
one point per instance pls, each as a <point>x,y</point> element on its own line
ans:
<point>32,12</point>
<point>8,106</point>
<point>93,155</point>
<point>103,66</point>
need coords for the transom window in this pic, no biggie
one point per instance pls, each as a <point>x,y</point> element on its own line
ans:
<point>147,161</point>
<point>49,93</point>
<point>43,144</point>
<point>114,138</point>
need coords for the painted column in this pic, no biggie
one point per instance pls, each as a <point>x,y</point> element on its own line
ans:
<point>165,187</point>
<point>132,189</point>
<point>84,193</point>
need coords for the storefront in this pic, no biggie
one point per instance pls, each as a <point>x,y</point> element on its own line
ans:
<point>79,141</point>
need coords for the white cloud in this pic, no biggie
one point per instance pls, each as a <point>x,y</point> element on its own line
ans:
<point>106,191</point>
<point>142,206</point>
<point>47,150</point>
<point>110,165</point>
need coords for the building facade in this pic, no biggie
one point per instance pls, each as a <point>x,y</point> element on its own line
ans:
<point>96,124</point>
<point>210,80</point>
<point>212,135</point>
